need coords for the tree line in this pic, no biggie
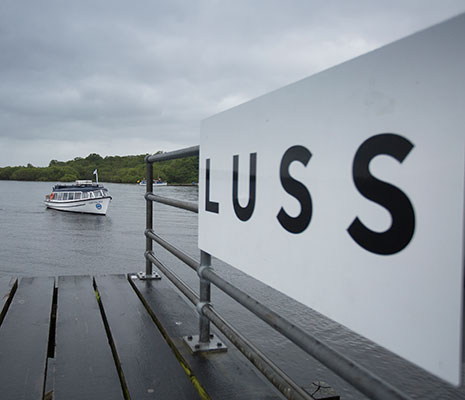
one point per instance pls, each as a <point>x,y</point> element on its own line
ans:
<point>118,169</point>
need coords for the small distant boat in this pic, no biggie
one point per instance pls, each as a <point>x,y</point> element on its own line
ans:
<point>157,182</point>
<point>81,196</point>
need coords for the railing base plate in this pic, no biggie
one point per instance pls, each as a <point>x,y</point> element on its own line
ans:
<point>215,345</point>
<point>144,277</point>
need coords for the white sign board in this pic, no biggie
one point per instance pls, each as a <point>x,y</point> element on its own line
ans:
<point>346,192</point>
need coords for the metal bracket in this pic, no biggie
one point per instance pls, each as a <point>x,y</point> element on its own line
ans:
<point>144,277</point>
<point>215,345</point>
<point>200,305</point>
<point>201,269</point>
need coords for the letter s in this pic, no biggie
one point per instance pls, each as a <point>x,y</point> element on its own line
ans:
<point>399,235</point>
<point>297,189</point>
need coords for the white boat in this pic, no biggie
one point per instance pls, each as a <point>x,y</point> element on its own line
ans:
<point>143,182</point>
<point>80,196</point>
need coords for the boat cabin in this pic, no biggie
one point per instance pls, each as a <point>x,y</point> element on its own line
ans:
<point>81,190</point>
<point>78,195</point>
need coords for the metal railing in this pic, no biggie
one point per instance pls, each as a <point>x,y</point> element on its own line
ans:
<point>358,376</point>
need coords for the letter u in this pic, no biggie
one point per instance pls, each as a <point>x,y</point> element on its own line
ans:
<point>244,213</point>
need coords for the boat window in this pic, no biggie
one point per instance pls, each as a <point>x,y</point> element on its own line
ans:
<point>59,196</point>
<point>91,195</point>
<point>65,196</point>
<point>98,193</point>
<point>85,195</point>
<point>77,196</point>
<point>71,196</point>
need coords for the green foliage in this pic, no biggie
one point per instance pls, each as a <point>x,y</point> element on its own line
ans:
<point>68,178</point>
<point>7,172</point>
<point>126,169</point>
<point>93,157</point>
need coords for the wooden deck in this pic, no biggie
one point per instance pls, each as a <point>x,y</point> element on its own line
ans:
<point>110,337</point>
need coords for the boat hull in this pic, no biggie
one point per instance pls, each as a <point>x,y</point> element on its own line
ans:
<point>89,206</point>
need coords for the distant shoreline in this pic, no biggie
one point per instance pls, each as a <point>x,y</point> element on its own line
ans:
<point>112,169</point>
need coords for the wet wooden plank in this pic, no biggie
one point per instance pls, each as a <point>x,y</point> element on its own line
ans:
<point>24,340</point>
<point>150,367</point>
<point>84,365</point>
<point>225,376</point>
<point>6,286</point>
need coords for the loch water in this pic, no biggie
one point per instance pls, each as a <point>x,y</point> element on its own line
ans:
<point>35,241</point>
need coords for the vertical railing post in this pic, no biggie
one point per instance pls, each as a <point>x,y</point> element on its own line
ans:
<point>205,297</point>
<point>205,341</point>
<point>149,215</point>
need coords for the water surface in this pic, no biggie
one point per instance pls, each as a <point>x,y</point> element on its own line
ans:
<point>35,241</point>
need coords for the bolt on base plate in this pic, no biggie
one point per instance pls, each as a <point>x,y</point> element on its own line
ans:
<point>144,277</point>
<point>215,345</point>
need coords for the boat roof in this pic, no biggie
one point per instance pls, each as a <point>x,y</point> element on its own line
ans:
<point>81,186</point>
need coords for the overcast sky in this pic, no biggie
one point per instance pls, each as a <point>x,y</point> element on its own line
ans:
<point>133,77</point>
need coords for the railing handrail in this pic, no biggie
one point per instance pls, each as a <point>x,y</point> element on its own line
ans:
<point>173,155</point>
<point>185,205</point>
<point>358,376</point>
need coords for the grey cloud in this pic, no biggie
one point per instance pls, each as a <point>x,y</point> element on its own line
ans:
<point>94,75</point>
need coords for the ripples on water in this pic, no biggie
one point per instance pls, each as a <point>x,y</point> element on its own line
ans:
<point>35,241</point>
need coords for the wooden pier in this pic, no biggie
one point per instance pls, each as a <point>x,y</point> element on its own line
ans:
<point>111,337</point>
